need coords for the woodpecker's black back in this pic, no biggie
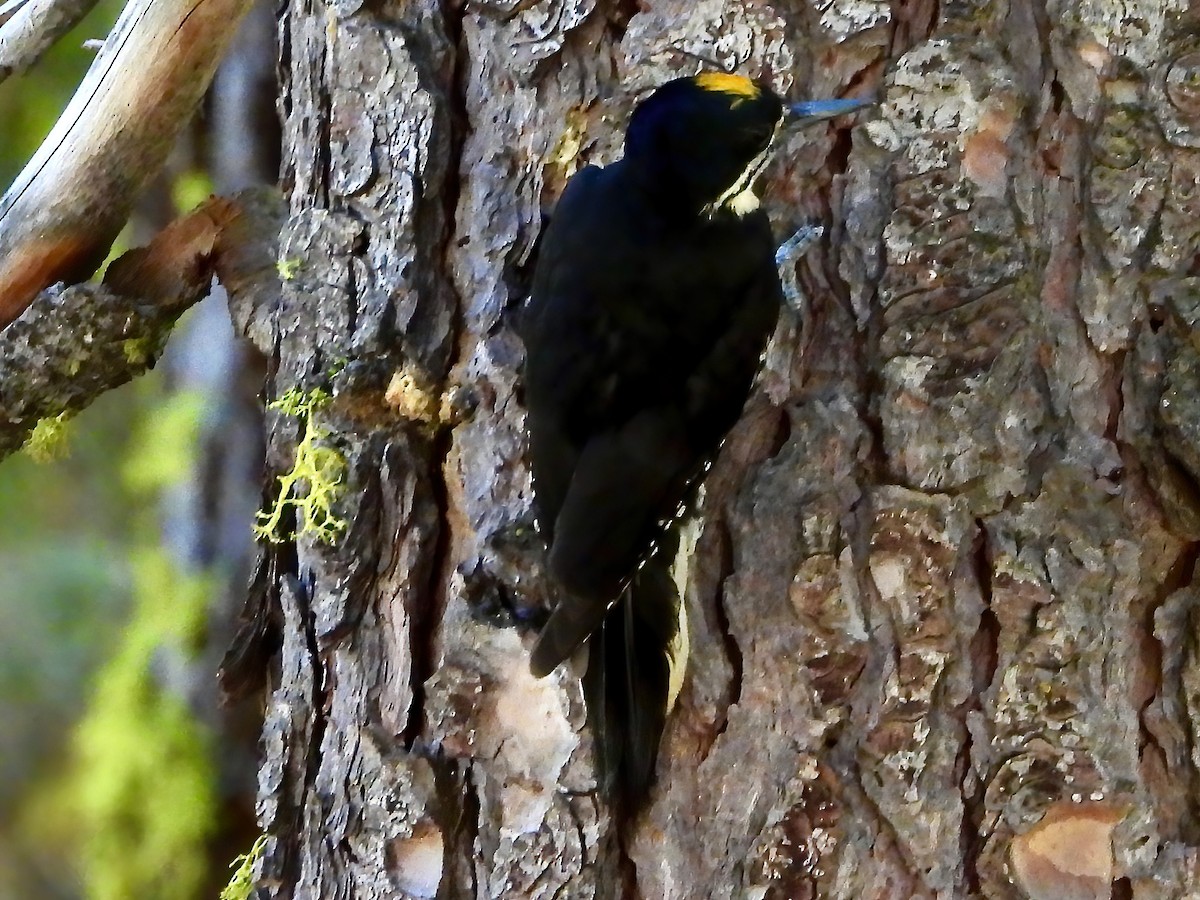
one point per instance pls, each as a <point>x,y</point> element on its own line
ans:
<point>654,296</point>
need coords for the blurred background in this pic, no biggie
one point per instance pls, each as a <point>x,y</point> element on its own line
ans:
<point>124,553</point>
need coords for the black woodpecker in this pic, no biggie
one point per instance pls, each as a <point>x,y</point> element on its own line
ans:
<point>654,295</point>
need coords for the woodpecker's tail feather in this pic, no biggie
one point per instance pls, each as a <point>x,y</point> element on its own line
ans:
<point>628,679</point>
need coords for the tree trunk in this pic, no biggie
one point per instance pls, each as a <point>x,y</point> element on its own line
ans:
<point>943,624</point>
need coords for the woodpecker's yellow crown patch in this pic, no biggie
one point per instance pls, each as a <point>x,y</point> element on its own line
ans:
<point>726,83</point>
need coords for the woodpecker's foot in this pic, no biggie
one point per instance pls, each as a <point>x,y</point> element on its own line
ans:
<point>787,256</point>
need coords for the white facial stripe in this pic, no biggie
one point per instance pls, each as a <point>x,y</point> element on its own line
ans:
<point>740,198</point>
<point>744,203</point>
<point>741,185</point>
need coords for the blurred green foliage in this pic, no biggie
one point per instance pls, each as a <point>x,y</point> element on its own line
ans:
<point>163,449</point>
<point>131,804</point>
<point>140,795</point>
<point>190,189</point>
<point>65,585</point>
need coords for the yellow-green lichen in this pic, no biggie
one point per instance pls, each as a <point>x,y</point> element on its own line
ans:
<point>241,885</point>
<point>48,440</point>
<point>315,481</point>
<point>136,350</point>
<point>565,153</point>
<point>288,268</point>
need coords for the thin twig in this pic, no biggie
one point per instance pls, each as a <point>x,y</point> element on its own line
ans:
<point>28,28</point>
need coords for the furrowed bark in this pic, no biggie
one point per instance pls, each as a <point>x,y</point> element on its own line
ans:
<point>943,594</point>
<point>367,139</point>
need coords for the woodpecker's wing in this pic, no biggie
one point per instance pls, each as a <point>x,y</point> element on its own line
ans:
<point>642,339</point>
<point>551,381</point>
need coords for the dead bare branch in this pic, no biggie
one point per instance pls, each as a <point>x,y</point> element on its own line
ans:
<point>61,215</point>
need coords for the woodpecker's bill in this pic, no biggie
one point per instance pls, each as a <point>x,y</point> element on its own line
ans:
<point>653,298</point>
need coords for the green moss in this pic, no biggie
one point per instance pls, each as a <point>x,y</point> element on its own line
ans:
<point>315,481</point>
<point>242,883</point>
<point>48,440</point>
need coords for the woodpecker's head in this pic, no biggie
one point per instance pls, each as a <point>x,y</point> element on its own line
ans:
<point>705,139</point>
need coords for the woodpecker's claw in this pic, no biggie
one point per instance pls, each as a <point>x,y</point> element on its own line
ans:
<point>787,256</point>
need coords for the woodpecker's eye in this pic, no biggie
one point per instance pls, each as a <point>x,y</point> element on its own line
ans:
<point>756,139</point>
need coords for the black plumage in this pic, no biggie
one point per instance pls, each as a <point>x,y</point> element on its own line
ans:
<point>653,298</point>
